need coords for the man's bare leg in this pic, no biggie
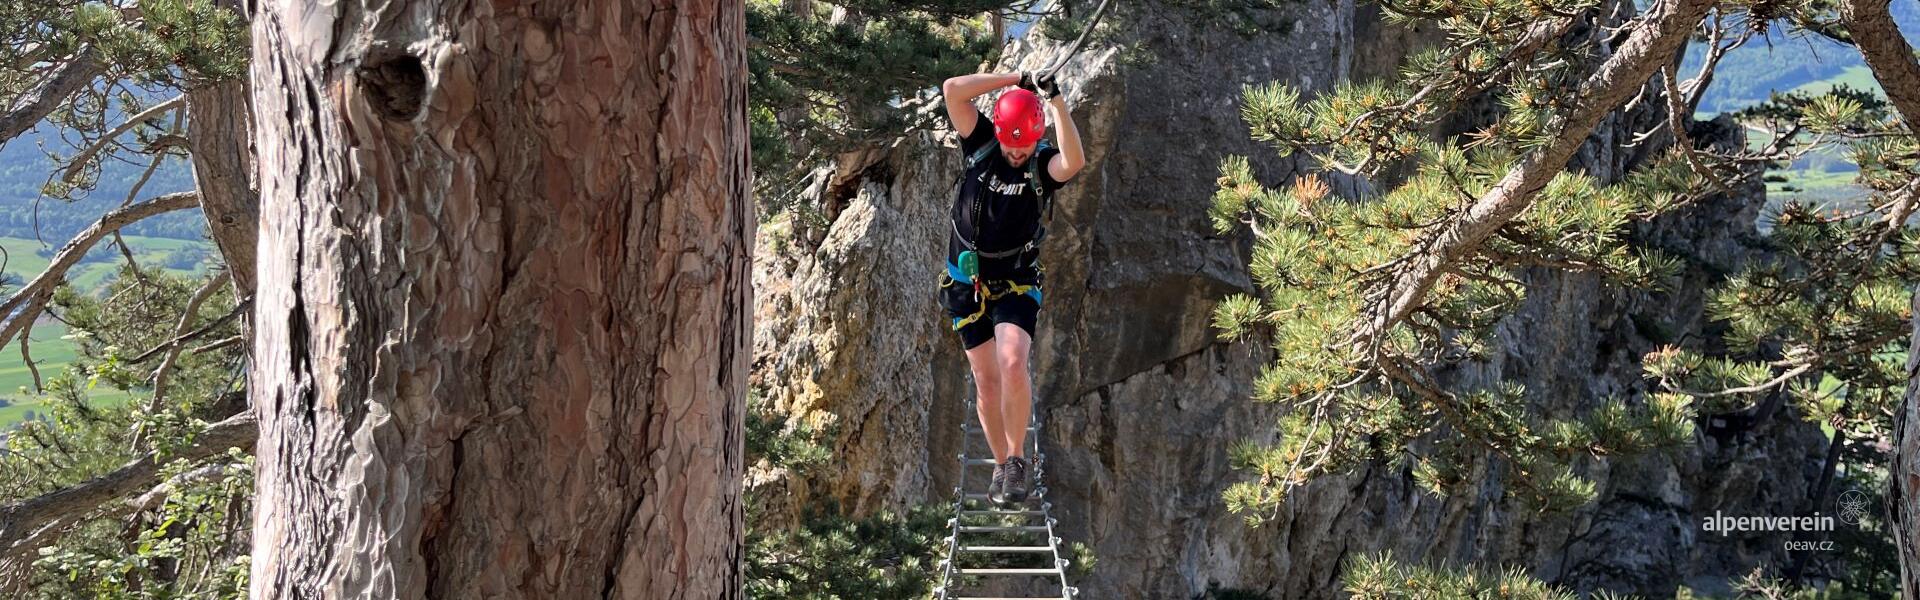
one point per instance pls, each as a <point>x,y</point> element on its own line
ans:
<point>1016,386</point>
<point>986,381</point>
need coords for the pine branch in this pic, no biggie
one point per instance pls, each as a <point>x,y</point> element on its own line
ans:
<point>180,331</point>
<point>182,338</point>
<point>27,358</point>
<point>1696,88</point>
<point>86,155</point>
<point>41,101</point>
<point>1648,47</point>
<point>1677,120</point>
<point>25,304</point>
<point>26,525</point>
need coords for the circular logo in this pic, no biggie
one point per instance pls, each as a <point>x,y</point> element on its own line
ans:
<point>1853,506</point>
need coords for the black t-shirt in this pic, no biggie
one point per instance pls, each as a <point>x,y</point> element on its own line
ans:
<point>1010,207</point>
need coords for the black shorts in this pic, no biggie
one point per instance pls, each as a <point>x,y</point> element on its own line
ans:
<point>1004,304</point>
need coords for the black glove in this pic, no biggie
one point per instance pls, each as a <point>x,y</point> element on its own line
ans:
<point>1047,86</point>
<point>1027,83</point>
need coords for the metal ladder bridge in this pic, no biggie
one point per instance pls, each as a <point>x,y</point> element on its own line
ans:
<point>989,543</point>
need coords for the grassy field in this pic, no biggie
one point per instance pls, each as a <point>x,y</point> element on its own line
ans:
<point>23,262</point>
<point>1858,77</point>
<point>1814,181</point>
<point>51,351</point>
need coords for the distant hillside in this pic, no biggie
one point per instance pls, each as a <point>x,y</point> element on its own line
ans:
<point>26,213</point>
<point>1784,62</point>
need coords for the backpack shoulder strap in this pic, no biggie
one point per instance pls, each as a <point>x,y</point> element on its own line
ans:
<point>974,159</point>
<point>1034,166</point>
<point>1033,179</point>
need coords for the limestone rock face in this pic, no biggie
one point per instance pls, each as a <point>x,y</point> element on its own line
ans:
<point>1140,402</point>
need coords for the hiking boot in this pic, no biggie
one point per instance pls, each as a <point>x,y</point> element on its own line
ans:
<point>1013,489</point>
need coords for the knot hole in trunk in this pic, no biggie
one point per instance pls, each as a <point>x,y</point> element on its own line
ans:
<point>394,84</point>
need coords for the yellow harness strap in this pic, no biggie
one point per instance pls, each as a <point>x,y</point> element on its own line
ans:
<point>1010,289</point>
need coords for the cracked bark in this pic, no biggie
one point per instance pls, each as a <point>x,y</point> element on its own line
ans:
<point>1886,53</point>
<point>219,133</point>
<point>502,309</point>
<point>1903,506</point>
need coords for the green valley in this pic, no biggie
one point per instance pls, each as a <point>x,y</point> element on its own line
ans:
<point>51,349</point>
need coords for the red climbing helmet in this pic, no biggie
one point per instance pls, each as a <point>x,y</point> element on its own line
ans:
<point>1018,120</point>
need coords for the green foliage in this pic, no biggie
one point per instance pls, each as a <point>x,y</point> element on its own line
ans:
<point>1383,578</point>
<point>198,523</point>
<point>176,42</point>
<point>1826,318</point>
<point>1316,259</point>
<point>190,542</point>
<point>1080,558</point>
<point>148,51</point>
<point>831,556</point>
<point>1759,585</point>
<point>1364,127</point>
<point>795,446</point>
<point>1359,386</point>
<point>120,324</point>
<point>191,546</point>
<point>818,87</point>
<point>821,84</point>
<point>828,554</point>
<point>75,442</point>
<point>1865,563</point>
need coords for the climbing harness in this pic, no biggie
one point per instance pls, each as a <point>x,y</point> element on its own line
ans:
<point>988,291</point>
<point>970,259</point>
<point>1001,540</point>
<point>973,517</point>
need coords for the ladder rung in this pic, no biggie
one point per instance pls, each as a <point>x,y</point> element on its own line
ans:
<point>1000,528</point>
<point>995,549</point>
<point>1008,598</point>
<point>1054,571</point>
<point>979,462</point>
<point>1035,495</point>
<point>1002,513</point>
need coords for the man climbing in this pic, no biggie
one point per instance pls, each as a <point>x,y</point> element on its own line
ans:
<point>991,289</point>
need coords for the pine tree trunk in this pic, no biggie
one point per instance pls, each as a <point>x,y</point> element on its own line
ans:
<point>1903,499</point>
<point>218,135</point>
<point>503,299</point>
